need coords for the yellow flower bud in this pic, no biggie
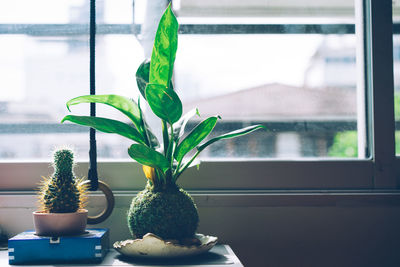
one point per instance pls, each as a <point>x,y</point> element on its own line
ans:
<point>149,172</point>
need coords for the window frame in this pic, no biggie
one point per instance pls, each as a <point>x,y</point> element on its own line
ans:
<point>378,172</point>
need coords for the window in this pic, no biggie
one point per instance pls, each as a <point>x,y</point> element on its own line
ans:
<point>227,60</point>
<point>297,69</point>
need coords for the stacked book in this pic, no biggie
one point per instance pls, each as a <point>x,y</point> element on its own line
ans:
<point>27,247</point>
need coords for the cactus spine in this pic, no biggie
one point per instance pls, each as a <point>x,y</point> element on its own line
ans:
<point>62,192</point>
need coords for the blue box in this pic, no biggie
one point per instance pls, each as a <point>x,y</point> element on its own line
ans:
<point>89,247</point>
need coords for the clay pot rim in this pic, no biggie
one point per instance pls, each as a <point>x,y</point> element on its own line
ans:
<point>43,213</point>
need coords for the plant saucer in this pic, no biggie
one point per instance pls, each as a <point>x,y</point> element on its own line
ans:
<point>152,246</point>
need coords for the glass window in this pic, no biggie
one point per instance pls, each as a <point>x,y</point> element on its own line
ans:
<point>296,67</point>
<point>301,86</point>
<point>45,62</point>
<point>291,67</point>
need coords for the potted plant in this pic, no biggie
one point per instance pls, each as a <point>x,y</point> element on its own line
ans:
<point>162,208</point>
<point>61,198</point>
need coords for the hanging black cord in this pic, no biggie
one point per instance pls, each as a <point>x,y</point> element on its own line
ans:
<point>92,175</point>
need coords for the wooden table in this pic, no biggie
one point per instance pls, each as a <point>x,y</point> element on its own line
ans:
<point>218,256</point>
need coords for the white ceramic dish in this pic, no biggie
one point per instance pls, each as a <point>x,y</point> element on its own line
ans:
<point>152,246</point>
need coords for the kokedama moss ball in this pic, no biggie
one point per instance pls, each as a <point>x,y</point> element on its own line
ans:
<point>169,214</point>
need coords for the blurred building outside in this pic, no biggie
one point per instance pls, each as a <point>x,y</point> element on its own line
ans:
<point>302,119</point>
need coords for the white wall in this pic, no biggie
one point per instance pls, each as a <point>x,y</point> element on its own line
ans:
<point>272,229</point>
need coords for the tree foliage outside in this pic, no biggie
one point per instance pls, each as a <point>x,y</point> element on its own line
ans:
<point>344,145</point>
<point>397,118</point>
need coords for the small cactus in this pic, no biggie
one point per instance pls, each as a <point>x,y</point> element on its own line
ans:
<point>62,192</point>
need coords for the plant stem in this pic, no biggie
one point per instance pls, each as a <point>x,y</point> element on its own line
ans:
<point>177,170</point>
<point>142,129</point>
<point>165,137</point>
<point>169,154</point>
<point>171,147</point>
<point>186,165</point>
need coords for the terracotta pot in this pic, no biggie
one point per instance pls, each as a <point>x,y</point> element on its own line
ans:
<point>60,224</point>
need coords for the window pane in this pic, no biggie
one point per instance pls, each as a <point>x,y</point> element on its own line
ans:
<point>290,67</point>
<point>43,11</point>
<point>45,62</point>
<point>302,87</point>
<point>300,82</point>
<point>276,9</point>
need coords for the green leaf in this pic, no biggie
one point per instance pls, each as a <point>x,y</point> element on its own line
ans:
<point>149,157</point>
<point>125,105</point>
<point>195,162</point>
<point>194,138</point>
<point>142,77</point>
<point>232,134</point>
<point>106,126</point>
<point>164,102</point>
<point>179,126</point>
<point>164,49</point>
